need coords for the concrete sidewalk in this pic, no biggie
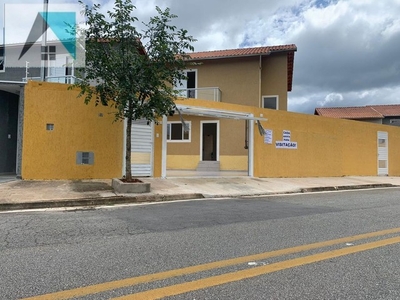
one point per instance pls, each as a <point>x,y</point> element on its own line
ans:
<point>18,194</point>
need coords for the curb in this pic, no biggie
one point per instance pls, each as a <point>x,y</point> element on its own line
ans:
<point>88,202</point>
<point>114,200</point>
<point>308,190</point>
<point>347,187</point>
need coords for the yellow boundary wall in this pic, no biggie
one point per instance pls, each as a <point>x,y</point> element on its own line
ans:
<point>77,127</point>
<point>325,146</point>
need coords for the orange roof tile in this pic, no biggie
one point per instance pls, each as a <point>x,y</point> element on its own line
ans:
<point>358,112</point>
<point>242,52</point>
<point>387,110</point>
<point>246,52</point>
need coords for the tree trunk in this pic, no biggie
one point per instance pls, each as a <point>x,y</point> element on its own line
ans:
<point>128,168</point>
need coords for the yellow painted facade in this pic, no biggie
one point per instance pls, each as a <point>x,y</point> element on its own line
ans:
<point>242,81</point>
<point>245,80</point>
<point>274,78</point>
<point>77,127</point>
<point>232,155</point>
<point>157,163</point>
<point>182,162</point>
<point>325,147</point>
<point>233,162</point>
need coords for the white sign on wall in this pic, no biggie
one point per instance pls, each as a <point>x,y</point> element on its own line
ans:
<point>268,136</point>
<point>286,143</point>
<point>286,135</point>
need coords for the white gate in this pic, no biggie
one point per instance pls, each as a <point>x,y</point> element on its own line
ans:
<point>383,163</point>
<point>142,148</point>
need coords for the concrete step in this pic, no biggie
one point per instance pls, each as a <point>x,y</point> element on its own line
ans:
<point>208,166</point>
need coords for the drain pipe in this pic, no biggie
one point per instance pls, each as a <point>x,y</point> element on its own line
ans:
<point>246,134</point>
<point>259,82</point>
<point>43,64</point>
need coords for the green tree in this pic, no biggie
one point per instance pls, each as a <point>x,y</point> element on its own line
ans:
<point>133,70</point>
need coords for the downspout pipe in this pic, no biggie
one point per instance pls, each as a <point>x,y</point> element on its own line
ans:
<point>259,82</point>
<point>43,65</point>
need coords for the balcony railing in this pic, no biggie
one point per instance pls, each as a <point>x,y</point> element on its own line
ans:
<point>208,93</point>
<point>68,79</point>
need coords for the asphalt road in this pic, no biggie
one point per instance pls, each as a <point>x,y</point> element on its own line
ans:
<point>342,245</point>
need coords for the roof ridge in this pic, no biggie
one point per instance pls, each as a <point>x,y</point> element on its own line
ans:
<point>383,105</point>
<point>375,110</point>
<point>350,112</point>
<point>364,106</point>
<point>241,48</point>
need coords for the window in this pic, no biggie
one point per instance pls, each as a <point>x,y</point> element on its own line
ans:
<point>177,133</point>
<point>48,52</point>
<point>395,122</point>
<point>270,102</point>
<point>187,87</point>
<point>49,127</point>
<point>84,158</point>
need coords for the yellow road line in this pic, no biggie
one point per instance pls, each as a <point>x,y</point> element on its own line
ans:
<point>257,271</point>
<point>112,285</point>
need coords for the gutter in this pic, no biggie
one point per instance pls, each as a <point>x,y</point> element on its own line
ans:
<point>237,56</point>
<point>12,82</point>
<point>259,82</point>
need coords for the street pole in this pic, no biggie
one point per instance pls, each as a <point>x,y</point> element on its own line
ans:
<point>43,65</point>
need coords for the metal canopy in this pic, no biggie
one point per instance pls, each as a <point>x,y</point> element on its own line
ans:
<point>215,113</point>
<point>13,87</point>
<point>218,113</point>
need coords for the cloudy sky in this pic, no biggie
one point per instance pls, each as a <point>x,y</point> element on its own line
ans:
<point>348,50</point>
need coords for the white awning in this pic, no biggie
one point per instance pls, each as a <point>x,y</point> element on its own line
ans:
<point>213,113</point>
<point>13,87</point>
<point>217,113</point>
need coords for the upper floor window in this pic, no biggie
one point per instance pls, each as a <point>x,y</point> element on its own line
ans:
<point>177,133</point>
<point>187,87</point>
<point>270,102</point>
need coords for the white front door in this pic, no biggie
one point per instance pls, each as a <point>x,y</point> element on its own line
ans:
<point>142,148</point>
<point>209,140</point>
<point>383,161</point>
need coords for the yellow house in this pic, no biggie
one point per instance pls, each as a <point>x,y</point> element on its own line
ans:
<point>233,109</point>
<point>63,138</point>
<point>258,77</point>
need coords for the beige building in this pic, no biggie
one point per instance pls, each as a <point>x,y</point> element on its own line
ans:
<point>258,77</point>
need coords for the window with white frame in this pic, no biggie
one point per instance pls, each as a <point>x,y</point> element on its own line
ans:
<point>270,102</point>
<point>177,133</point>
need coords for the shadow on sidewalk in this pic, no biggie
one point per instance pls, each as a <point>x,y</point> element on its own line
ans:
<point>90,186</point>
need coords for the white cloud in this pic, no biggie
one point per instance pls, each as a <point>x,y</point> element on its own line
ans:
<point>307,104</point>
<point>331,98</point>
<point>323,18</point>
<point>345,47</point>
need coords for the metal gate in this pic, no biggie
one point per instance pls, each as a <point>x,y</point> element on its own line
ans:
<point>142,148</point>
<point>383,164</point>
